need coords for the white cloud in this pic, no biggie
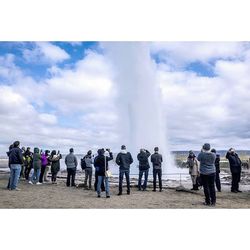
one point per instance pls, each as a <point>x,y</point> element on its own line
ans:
<point>45,52</point>
<point>181,53</point>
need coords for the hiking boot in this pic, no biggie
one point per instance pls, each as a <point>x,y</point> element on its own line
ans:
<point>239,191</point>
<point>120,193</point>
<point>108,196</point>
<point>128,192</point>
<point>98,196</point>
<point>154,190</point>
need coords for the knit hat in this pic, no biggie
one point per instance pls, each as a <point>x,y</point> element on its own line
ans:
<point>206,146</point>
<point>123,147</point>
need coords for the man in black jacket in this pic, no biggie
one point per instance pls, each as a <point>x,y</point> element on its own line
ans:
<point>217,167</point>
<point>15,161</point>
<point>235,167</point>
<point>143,168</point>
<point>156,160</point>
<point>101,165</point>
<point>124,159</point>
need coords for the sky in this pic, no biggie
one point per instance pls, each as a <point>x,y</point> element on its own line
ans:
<point>63,94</point>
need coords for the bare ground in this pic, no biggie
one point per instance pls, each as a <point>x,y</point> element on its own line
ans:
<point>60,196</point>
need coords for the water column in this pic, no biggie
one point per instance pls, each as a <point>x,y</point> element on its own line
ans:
<point>142,123</point>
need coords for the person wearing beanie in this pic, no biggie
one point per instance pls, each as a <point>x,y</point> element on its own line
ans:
<point>15,161</point>
<point>54,158</point>
<point>193,166</point>
<point>217,168</point>
<point>71,163</point>
<point>207,174</point>
<point>235,168</point>
<point>156,160</point>
<point>124,160</point>
<point>37,163</point>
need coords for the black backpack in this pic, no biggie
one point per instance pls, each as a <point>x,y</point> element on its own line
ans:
<point>83,163</point>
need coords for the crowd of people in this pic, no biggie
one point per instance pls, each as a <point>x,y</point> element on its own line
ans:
<point>203,169</point>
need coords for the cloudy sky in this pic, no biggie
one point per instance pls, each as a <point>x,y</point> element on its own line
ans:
<point>62,94</point>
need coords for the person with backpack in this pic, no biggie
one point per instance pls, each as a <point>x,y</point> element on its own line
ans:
<point>87,166</point>
<point>55,165</point>
<point>45,162</point>
<point>143,168</point>
<point>37,167</point>
<point>101,165</point>
<point>217,168</point>
<point>235,168</point>
<point>15,161</point>
<point>71,163</point>
<point>207,173</point>
<point>156,160</point>
<point>193,166</point>
<point>124,160</point>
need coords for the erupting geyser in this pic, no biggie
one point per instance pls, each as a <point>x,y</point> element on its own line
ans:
<point>142,123</point>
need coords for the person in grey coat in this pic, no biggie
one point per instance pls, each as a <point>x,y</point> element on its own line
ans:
<point>207,174</point>
<point>71,163</point>
<point>89,161</point>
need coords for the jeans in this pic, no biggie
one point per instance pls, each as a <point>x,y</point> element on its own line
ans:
<point>96,182</point>
<point>235,181</point>
<point>15,170</point>
<point>121,174</point>
<point>155,173</point>
<point>36,175</point>
<point>71,175</point>
<point>100,180</point>
<point>217,181</point>
<point>141,172</point>
<point>209,188</point>
<point>88,176</point>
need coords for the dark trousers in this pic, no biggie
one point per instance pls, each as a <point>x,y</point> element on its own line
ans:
<point>209,188</point>
<point>22,172</point>
<point>217,182</point>
<point>96,182</point>
<point>88,176</point>
<point>42,174</point>
<point>71,175</point>
<point>27,172</point>
<point>157,172</point>
<point>235,181</point>
<point>141,172</point>
<point>121,174</point>
<point>53,176</point>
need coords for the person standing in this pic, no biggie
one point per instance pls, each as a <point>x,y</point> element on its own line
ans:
<point>96,174</point>
<point>36,166</point>
<point>101,165</point>
<point>124,160</point>
<point>45,176</point>
<point>235,168</point>
<point>207,173</point>
<point>156,160</point>
<point>8,154</point>
<point>55,165</point>
<point>217,168</point>
<point>28,155</point>
<point>193,169</point>
<point>89,169</point>
<point>22,167</point>
<point>71,163</point>
<point>143,168</point>
<point>15,161</point>
<point>44,161</point>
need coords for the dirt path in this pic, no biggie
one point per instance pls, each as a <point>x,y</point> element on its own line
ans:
<point>60,196</point>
